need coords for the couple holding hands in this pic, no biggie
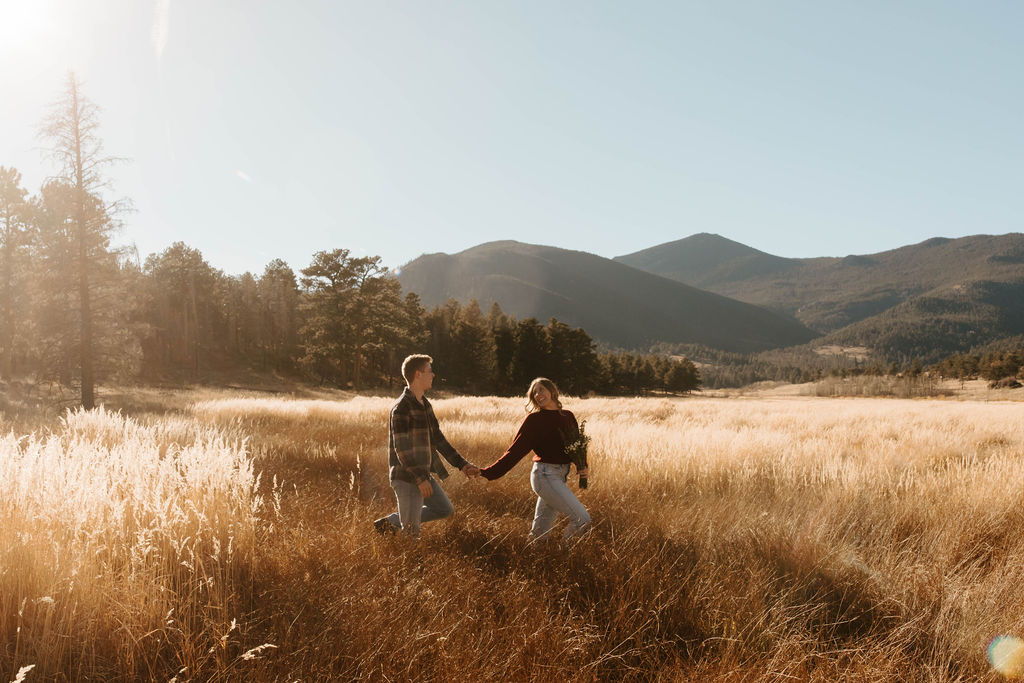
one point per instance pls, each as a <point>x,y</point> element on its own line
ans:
<point>415,439</point>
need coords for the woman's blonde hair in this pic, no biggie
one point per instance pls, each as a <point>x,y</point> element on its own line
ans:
<point>531,405</point>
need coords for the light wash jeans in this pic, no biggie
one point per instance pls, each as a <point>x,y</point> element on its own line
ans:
<point>554,498</point>
<point>414,509</point>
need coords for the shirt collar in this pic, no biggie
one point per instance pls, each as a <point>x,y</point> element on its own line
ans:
<point>407,394</point>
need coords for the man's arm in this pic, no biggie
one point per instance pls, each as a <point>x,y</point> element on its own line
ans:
<point>439,442</point>
<point>449,452</point>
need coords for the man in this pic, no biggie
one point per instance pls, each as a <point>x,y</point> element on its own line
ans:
<point>414,441</point>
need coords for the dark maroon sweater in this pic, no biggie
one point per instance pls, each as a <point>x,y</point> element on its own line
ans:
<point>540,433</point>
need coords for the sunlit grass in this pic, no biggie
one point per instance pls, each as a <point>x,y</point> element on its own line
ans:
<point>741,539</point>
<point>121,544</point>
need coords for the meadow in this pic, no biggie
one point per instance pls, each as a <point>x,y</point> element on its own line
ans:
<point>216,536</point>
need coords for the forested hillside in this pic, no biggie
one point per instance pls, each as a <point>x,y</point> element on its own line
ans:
<point>617,304</point>
<point>924,300</point>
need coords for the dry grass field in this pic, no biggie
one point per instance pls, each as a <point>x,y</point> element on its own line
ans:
<point>735,539</point>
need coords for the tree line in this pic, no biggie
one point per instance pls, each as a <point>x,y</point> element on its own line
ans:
<point>995,366</point>
<point>496,353</point>
<point>76,310</point>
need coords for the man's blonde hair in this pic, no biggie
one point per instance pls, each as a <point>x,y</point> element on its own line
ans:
<point>414,363</point>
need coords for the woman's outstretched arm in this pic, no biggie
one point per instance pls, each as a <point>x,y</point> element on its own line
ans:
<point>521,445</point>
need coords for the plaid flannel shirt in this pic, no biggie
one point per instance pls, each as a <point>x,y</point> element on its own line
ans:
<point>414,441</point>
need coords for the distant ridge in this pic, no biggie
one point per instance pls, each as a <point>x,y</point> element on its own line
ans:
<point>925,300</point>
<point>614,302</point>
<point>705,259</point>
<point>938,296</point>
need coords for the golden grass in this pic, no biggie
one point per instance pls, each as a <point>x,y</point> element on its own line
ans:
<point>740,539</point>
<point>121,544</point>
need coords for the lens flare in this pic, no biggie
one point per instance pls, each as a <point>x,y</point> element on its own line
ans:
<point>243,175</point>
<point>1006,655</point>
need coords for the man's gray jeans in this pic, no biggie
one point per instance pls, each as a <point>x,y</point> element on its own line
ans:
<point>414,509</point>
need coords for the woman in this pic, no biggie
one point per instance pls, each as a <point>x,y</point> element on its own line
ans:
<point>543,432</point>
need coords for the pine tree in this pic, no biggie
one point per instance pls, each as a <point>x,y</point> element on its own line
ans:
<point>15,221</point>
<point>279,315</point>
<point>572,360</point>
<point>682,376</point>
<point>184,308</point>
<point>531,356</point>
<point>77,150</point>
<point>470,363</point>
<point>504,342</point>
<point>354,316</point>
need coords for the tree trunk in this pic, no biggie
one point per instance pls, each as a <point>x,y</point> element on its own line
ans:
<point>88,378</point>
<point>81,220</point>
<point>8,334</point>
<point>357,368</point>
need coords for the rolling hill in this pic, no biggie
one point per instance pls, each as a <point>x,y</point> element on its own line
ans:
<point>827,294</point>
<point>926,299</point>
<point>940,322</point>
<point>706,261</point>
<point>614,302</point>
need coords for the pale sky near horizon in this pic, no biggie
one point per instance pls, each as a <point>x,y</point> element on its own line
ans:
<point>261,130</point>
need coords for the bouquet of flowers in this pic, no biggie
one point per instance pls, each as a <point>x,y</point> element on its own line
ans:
<point>576,442</point>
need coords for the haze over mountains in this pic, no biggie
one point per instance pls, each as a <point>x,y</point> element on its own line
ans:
<point>927,299</point>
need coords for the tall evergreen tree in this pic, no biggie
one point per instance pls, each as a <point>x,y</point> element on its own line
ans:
<point>411,337</point>
<point>504,342</point>
<point>354,313</point>
<point>682,376</point>
<point>279,312</point>
<point>56,295</point>
<point>440,326</point>
<point>531,357</point>
<point>55,316</point>
<point>470,364</point>
<point>15,221</point>
<point>72,129</point>
<point>185,310</point>
<point>245,324</point>
<point>572,359</point>
<point>375,317</point>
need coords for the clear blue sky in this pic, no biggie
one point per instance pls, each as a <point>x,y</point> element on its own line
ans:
<point>276,129</point>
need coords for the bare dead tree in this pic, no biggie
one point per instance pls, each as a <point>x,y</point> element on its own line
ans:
<point>72,129</point>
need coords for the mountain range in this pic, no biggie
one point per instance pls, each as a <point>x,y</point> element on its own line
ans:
<point>921,300</point>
